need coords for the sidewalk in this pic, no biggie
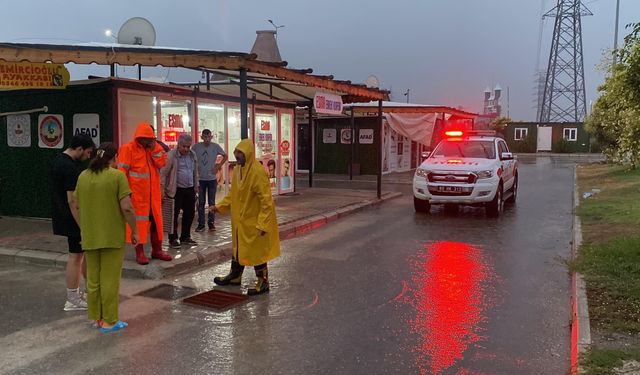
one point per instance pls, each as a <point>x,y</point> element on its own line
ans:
<point>31,240</point>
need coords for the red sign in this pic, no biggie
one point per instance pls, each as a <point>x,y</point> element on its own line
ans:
<point>265,125</point>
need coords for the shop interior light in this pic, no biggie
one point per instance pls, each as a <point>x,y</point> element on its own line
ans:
<point>210,106</point>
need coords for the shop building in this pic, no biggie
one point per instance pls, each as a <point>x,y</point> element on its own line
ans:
<point>256,100</point>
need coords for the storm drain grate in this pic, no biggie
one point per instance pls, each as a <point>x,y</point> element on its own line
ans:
<point>215,299</point>
<point>168,292</point>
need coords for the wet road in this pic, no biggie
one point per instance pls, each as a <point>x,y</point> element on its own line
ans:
<point>383,291</point>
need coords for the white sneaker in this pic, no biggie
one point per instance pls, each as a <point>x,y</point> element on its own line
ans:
<point>75,306</point>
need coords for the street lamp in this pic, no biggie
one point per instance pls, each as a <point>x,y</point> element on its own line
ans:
<point>275,26</point>
<point>407,95</point>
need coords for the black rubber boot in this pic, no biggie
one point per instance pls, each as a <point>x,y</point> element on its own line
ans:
<point>262,285</point>
<point>234,277</point>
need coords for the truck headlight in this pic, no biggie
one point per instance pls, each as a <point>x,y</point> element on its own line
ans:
<point>422,172</point>
<point>484,174</point>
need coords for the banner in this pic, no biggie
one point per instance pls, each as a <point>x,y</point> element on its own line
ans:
<point>25,75</point>
<point>328,103</point>
<point>19,131</point>
<point>50,131</point>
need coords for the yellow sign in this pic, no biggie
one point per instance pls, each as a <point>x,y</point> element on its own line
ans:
<point>25,75</point>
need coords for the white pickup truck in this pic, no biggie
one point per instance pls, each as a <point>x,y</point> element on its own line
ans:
<point>467,168</point>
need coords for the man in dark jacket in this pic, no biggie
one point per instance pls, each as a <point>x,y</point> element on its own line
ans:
<point>64,176</point>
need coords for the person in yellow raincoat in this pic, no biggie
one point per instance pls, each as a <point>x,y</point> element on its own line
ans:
<point>254,225</point>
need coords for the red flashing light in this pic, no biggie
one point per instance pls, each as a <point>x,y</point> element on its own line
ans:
<point>453,133</point>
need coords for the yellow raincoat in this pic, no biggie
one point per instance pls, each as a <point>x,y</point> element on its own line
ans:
<point>252,211</point>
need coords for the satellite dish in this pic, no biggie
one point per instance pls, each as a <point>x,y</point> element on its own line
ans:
<point>137,31</point>
<point>372,81</point>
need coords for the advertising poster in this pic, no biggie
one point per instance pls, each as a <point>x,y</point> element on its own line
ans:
<point>50,131</point>
<point>19,130</point>
<point>89,124</point>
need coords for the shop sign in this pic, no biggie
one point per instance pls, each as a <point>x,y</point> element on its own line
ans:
<point>366,137</point>
<point>25,75</point>
<point>328,103</point>
<point>19,130</point>
<point>328,135</point>
<point>89,124</point>
<point>50,131</point>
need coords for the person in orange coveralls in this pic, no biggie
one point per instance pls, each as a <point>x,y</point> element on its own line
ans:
<point>141,160</point>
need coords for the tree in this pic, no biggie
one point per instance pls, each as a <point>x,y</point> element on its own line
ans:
<point>499,124</point>
<point>615,119</point>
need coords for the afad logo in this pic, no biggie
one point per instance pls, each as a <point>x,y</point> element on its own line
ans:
<point>51,131</point>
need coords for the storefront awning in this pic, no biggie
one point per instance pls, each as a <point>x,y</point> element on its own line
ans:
<point>267,80</point>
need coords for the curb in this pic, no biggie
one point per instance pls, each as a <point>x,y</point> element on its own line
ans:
<point>580,327</point>
<point>205,256</point>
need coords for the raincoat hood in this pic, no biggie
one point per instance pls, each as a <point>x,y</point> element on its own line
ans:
<point>144,131</point>
<point>247,147</point>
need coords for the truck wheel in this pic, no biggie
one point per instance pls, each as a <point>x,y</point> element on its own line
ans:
<point>494,208</point>
<point>421,206</point>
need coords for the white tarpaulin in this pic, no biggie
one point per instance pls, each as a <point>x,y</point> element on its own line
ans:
<point>417,127</point>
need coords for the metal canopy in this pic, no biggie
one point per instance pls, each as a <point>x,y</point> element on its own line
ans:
<point>265,80</point>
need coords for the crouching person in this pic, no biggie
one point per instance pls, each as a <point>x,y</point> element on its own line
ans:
<point>254,224</point>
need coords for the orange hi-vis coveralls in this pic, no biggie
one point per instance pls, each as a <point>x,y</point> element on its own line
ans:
<point>142,167</point>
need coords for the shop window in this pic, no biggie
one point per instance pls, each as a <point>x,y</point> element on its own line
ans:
<point>175,119</point>
<point>134,109</point>
<point>570,134</point>
<point>520,134</point>
<point>266,144</point>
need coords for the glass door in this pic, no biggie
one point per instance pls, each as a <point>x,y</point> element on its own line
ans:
<point>211,117</point>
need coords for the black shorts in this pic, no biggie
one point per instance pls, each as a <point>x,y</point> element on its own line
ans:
<point>74,245</point>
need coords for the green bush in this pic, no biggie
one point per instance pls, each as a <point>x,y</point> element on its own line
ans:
<point>526,144</point>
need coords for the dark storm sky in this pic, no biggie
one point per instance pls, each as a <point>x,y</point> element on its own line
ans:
<point>445,51</point>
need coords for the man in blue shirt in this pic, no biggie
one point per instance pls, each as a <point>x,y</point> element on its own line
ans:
<point>207,153</point>
<point>180,181</point>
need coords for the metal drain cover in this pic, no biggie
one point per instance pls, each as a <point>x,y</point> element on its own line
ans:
<point>215,299</point>
<point>168,292</point>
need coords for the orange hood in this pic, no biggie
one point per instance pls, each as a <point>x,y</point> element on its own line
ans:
<point>144,131</point>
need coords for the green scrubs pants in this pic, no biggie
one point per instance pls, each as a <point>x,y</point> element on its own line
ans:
<point>104,268</point>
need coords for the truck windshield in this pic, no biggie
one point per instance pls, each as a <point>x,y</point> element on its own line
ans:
<point>465,149</point>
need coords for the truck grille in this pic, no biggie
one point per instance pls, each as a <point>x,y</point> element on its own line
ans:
<point>452,177</point>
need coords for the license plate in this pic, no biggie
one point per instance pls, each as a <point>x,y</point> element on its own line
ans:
<point>450,189</point>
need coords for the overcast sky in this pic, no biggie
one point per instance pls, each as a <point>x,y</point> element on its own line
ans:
<point>445,51</point>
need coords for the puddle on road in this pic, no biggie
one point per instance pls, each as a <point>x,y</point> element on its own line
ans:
<point>448,292</point>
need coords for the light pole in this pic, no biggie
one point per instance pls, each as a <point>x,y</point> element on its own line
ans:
<point>109,34</point>
<point>615,35</point>
<point>407,95</point>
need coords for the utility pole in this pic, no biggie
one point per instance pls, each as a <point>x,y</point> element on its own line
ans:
<point>407,95</point>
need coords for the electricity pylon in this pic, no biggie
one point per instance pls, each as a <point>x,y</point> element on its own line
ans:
<point>564,98</point>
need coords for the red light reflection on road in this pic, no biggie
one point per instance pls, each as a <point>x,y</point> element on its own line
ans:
<point>448,295</point>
